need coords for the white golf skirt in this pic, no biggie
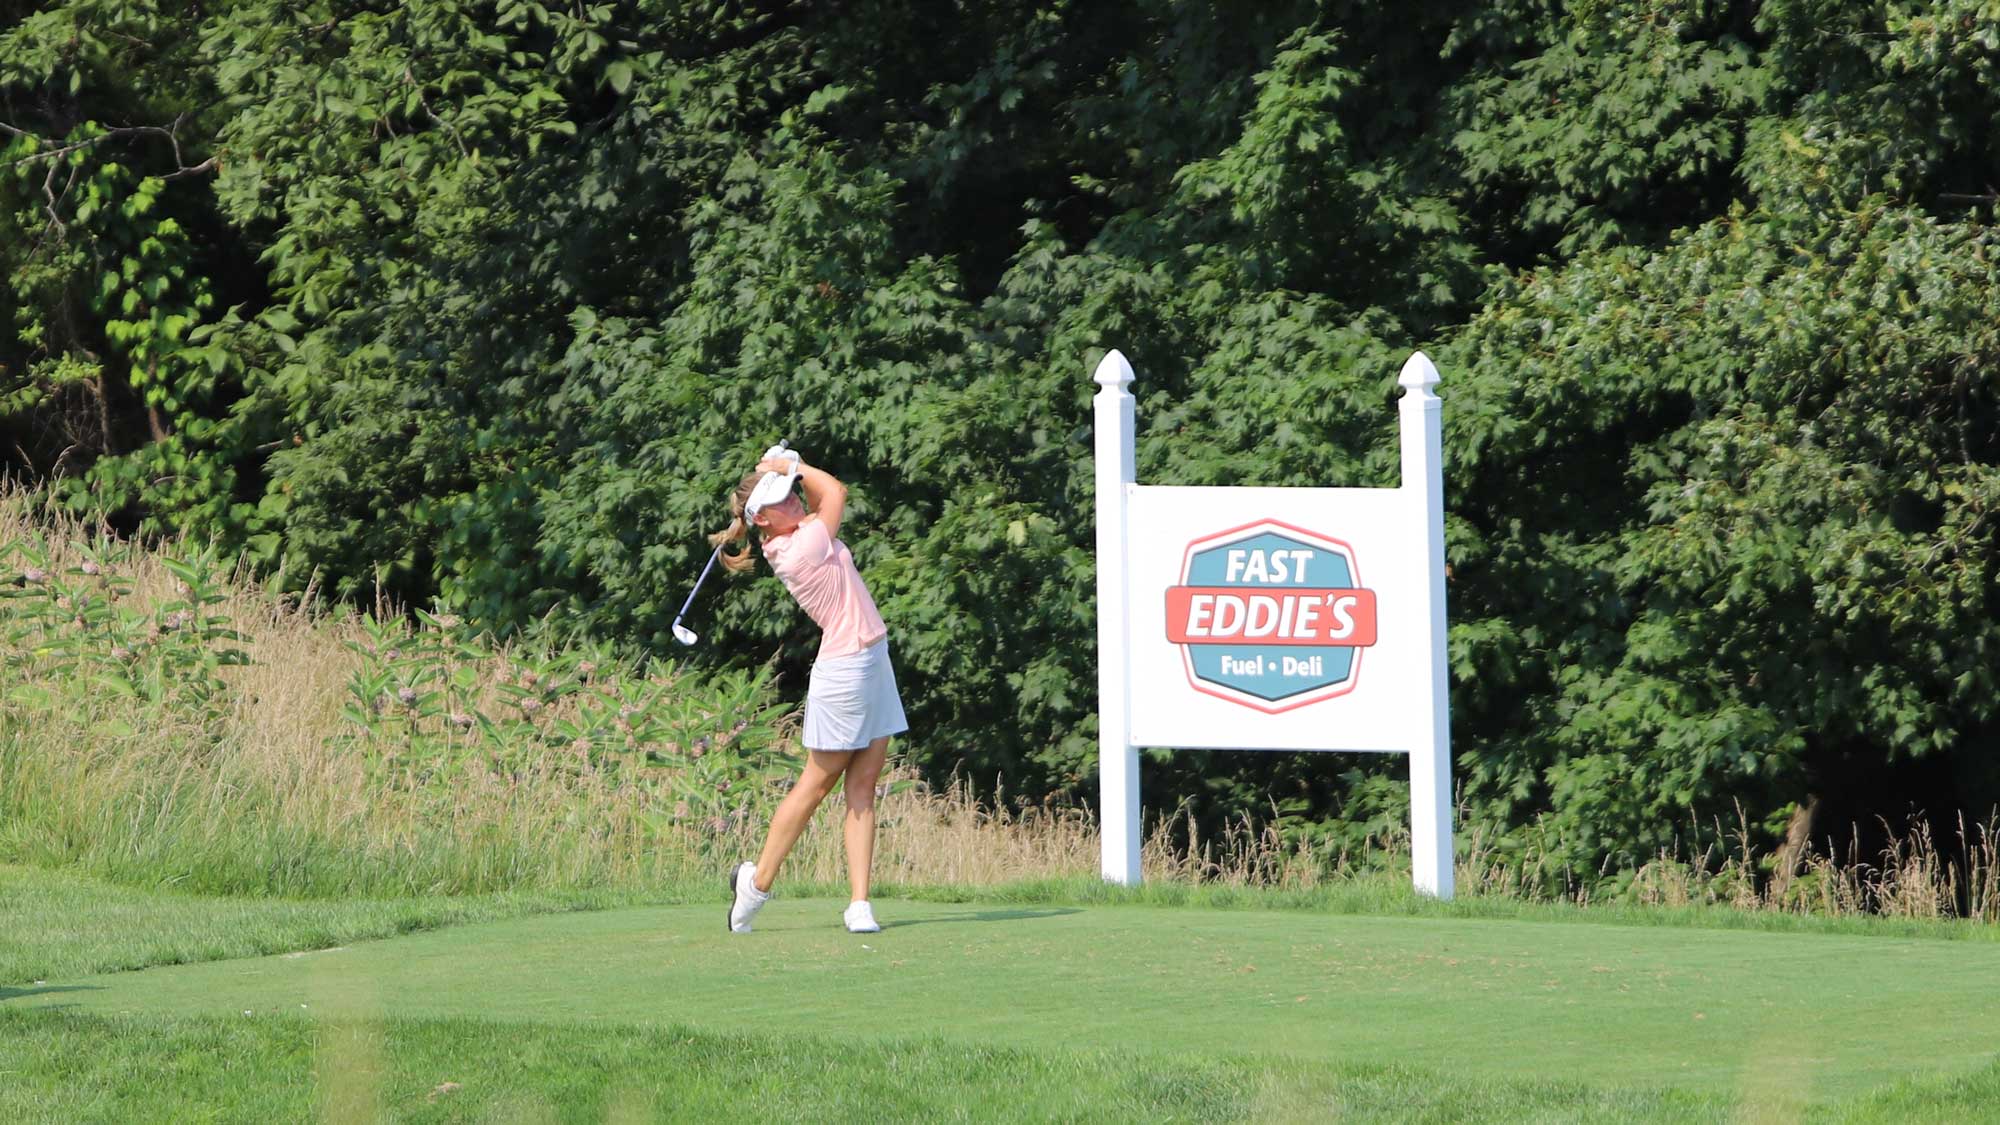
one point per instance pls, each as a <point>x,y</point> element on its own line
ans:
<point>852,701</point>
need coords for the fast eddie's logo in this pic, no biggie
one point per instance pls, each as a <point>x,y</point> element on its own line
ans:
<point>1271,616</point>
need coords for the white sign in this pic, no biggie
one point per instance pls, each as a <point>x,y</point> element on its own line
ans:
<point>1273,619</point>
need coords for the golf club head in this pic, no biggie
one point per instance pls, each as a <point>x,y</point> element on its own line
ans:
<point>683,634</point>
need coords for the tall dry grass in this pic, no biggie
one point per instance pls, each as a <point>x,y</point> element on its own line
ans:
<point>274,801</point>
<point>271,800</point>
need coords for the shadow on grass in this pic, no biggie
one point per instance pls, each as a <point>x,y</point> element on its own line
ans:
<point>983,916</point>
<point>17,993</point>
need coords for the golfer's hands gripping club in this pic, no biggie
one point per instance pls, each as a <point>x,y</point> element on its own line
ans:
<point>779,458</point>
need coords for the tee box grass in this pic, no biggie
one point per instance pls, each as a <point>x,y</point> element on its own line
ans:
<point>1242,1011</point>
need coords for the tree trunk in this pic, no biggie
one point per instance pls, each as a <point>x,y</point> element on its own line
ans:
<point>1792,853</point>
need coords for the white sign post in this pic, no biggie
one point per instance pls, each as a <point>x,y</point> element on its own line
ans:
<point>1273,619</point>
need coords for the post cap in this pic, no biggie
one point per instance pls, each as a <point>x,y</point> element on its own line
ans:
<point>1419,373</point>
<point>1114,370</point>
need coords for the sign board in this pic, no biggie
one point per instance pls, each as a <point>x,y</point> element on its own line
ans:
<point>1273,619</point>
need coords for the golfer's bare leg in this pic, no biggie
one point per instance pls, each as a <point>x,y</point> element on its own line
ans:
<point>821,774</point>
<point>859,828</point>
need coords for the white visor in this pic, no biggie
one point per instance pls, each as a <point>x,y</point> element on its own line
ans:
<point>771,490</point>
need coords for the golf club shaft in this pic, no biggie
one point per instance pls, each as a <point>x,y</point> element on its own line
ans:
<point>697,585</point>
<point>783,443</point>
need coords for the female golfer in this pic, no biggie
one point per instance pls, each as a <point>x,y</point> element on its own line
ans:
<point>851,703</point>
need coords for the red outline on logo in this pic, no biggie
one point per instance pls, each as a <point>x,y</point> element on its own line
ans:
<point>1187,661</point>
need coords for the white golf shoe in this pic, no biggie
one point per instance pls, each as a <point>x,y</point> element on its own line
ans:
<point>860,918</point>
<point>746,899</point>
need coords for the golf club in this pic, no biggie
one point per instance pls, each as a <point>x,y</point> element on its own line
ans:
<point>682,633</point>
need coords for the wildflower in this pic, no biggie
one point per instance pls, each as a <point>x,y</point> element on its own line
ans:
<point>35,576</point>
<point>580,746</point>
<point>531,705</point>
<point>92,569</point>
<point>586,668</point>
<point>407,696</point>
<point>395,654</point>
<point>461,720</point>
<point>63,602</point>
<point>700,747</point>
<point>121,653</point>
<point>739,728</point>
<point>722,786</point>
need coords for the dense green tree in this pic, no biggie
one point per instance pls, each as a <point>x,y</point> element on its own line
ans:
<point>488,301</point>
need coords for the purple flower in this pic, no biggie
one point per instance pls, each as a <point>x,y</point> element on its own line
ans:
<point>35,576</point>
<point>407,696</point>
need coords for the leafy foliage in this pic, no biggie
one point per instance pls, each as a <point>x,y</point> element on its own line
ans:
<point>431,708</point>
<point>489,301</point>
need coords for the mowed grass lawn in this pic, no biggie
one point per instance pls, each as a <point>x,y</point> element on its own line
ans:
<point>1026,1011</point>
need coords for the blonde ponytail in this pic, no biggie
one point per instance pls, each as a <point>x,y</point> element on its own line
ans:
<point>738,531</point>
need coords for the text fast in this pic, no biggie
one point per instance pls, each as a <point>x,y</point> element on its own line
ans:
<point>1271,567</point>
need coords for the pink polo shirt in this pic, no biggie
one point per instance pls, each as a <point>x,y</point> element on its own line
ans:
<point>819,571</point>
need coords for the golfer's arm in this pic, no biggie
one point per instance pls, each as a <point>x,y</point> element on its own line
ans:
<point>827,496</point>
